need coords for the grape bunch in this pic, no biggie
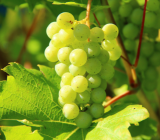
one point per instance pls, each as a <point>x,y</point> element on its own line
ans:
<point>85,62</point>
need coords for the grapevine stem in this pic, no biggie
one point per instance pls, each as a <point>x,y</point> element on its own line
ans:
<point>120,70</point>
<point>126,60</point>
<point>141,35</point>
<point>29,33</point>
<point>88,13</point>
<point>97,19</point>
<point>116,98</point>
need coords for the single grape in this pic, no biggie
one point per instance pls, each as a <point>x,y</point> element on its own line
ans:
<point>142,63</point>
<point>112,62</point>
<point>67,78</point>
<point>93,66</point>
<point>82,16</point>
<point>79,84</point>
<point>61,84</point>
<point>94,81</point>
<point>61,68</point>
<point>110,31</point>
<point>115,54</point>
<point>130,31</point>
<point>83,97</point>
<point>150,19</point>
<point>92,49</point>
<point>67,94</point>
<point>65,20</point>
<point>83,120</point>
<point>74,70</point>
<point>125,10</point>
<point>78,57</point>
<point>103,84</point>
<point>136,16</point>
<point>114,5</point>
<point>70,110</point>
<point>96,110</point>
<point>154,59</point>
<point>78,44</point>
<point>56,41</point>
<point>153,5</point>
<point>63,55</point>
<point>107,71</point>
<point>96,34</point>
<point>81,32</point>
<point>52,29</point>
<point>103,56</point>
<point>61,102</point>
<point>66,36</point>
<point>109,45</point>
<point>130,44</point>
<point>147,48</point>
<point>98,95</point>
<point>51,53</point>
<point>151,73</point>
<point>149,85</point>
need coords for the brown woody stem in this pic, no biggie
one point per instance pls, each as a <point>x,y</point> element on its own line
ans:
<point>88,13</point>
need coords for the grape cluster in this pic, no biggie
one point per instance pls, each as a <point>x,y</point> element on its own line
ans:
<point>128,16</point>
<point>85,62</point>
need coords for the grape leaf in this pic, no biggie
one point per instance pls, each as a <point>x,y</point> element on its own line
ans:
<point>115,127</point>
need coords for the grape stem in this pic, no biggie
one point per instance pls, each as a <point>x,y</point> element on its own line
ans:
<point>141,35</point>
<point>116,98</point>
<point>97,20</point>
<point>29,33</point>
<point>88,13</point>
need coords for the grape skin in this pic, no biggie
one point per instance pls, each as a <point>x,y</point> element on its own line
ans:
<point>98,95</point>
<point>96,110</point>
<point>96,34</point>
<point>61,68</point>
<point>83,97</point>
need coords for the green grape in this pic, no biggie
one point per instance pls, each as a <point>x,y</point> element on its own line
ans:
<point>78,57</point>
<point>65,20</point>
<point>107,71</point>
<point>154,59</point>
<point>83,97</point>
<point>92,49</point>
<point>96,110</point>
<point>67,78</point>
<point>151,73</point>
<point>150,19</point>
<point>153,5</point>
<point>112,62</point>
<point>130,31</point>
<point>67,94</point>
<point>78,44</point>
<point>142,63</point>
<point>96,34</point>
<point>61,84</point>
<point>94,81</point>
<point>153,33</point>
<point>157,46</point>
<point>125,10</point>
<point>84,120</point>
<point>63,55</point>
<point>70,110</point>
<point>66,36</point>
<point>61,68</point>
<point>110,31</point>
<point>34,46</point>
<point>136,16</point>
<point>81,32</point>
<point>89,90</point>
<point>114,5</point>
<point>56,41</point>
<point>100,16</point>
<point>147,48</point>
<point>75,71</point>
<point>51,53</point>
<point>52,29</point>
<point>93,66</point>
<point>109,45</point>
<point>149,85</point>
<point>115,54</point>
<point>61,102</point>
<point>82,16</point>
<point>79,84</point>
<point>103,84</point>
<point>103,56</point>
<point>130,44</point>
<point>98,95</point>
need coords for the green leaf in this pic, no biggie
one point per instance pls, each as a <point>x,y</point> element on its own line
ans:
<point>115,126</point>
<point>21,133</point>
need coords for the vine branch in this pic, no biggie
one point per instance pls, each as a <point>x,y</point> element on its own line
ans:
<point>88,13</point>
<point>97,20</point>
